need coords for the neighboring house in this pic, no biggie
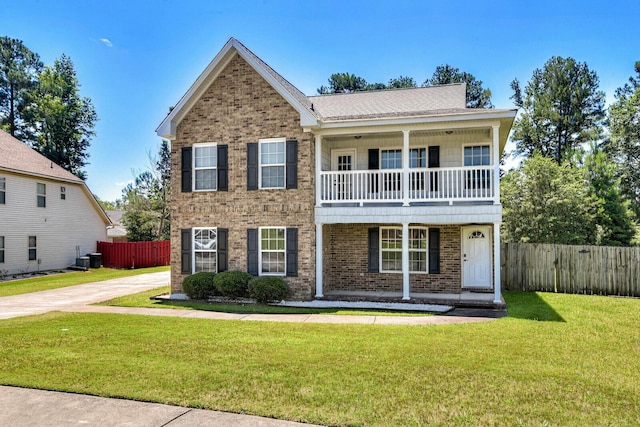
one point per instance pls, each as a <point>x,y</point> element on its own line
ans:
<point>47,215</point>
<point>364,195</point>
<point>116,232</point>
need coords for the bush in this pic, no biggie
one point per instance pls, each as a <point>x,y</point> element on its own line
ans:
<point>267,289</point>
<point>233,284</point>
<point>199,285</point>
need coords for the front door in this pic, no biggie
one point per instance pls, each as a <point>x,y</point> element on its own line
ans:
<point>476,257</point>
<point>343,160</point>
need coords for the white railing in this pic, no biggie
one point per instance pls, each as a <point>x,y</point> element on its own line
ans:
<point>425,185</point>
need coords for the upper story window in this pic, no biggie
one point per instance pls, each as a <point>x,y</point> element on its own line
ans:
<point>272,163</point>
<point>42,195</point>
<point>391,159</point>
<point>205,165</point>
<point>3,189</point>
<point>418,158</point>
<point>477,155</point>
<point>63,193</point>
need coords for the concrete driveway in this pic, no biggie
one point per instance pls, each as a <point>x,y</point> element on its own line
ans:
<point>79,295</point>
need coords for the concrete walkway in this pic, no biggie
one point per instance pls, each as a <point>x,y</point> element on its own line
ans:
<point>21,407</point>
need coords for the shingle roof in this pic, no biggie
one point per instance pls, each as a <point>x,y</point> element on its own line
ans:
<point>424,101</point>
<point>18,157</point>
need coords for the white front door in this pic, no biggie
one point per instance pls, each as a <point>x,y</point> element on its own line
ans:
<point>343,160</point>
<point>476,257</point>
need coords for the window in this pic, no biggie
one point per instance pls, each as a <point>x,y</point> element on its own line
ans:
<point>3,189</point>
<point>477,155</point>
<point>42,195</point>
<point>1,249</point>
<point>272,251</point>
<point>63,193</point>
<point>205,161</point>
<point>391,159</point>
<point>417,159</point>
<point>32,248</point>
<point>272,163</point>
<point>205,245</point>
<point>391,249</point>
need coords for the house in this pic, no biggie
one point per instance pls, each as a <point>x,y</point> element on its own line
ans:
<point>116,232</point>
<point>48,216</point>
<point>372,195</point>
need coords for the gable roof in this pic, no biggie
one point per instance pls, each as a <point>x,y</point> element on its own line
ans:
<point>17,157</point>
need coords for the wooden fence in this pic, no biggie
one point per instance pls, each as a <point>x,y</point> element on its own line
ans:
<point>601,270</point>
<point>135,254</point>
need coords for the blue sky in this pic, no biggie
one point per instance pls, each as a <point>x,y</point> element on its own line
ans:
<point>134,59</point>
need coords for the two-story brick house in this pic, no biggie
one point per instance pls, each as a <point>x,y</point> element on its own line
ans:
<point>384,194</point>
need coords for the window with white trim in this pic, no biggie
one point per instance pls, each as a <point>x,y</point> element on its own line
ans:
<point>63,193</point>
<point>1,249</point>
<point>32,248</point>
<point>42,195</point>
<point>272,251</point>
<point>477,155</point>
<point>391,249</point>
<point>417,159</point>
<point>205,245</point>
<point>205,165</point>
<point>272,162</point>
<point>3,189</point>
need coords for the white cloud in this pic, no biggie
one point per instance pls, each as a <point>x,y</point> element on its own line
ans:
<point>123,183</point>
<point>107,42</point>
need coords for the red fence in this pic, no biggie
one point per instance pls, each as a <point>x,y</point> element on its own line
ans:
<point>135,254</point>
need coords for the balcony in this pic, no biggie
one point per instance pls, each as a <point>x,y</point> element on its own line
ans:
<point>387,186</point>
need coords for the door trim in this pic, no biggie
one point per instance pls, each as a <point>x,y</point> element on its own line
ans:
<point>489,236</point>
<point>341,152</point>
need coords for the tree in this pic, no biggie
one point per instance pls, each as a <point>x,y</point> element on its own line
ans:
<point>613,217</point>
<point>343,83</point>
<point>624,141</point>
<point>561,110</point>
<point>19,68</point>
<point>146,201</point>
<point>544,202</point>
<point>402,82</point>
<point>63,120</point>
<point>477,96</point>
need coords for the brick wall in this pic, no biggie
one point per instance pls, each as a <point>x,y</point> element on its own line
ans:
<point>240,107</point>
<point>346,262</point>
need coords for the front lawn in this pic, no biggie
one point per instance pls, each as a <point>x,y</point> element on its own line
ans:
<point>556,360</point>
<point>44,283</point>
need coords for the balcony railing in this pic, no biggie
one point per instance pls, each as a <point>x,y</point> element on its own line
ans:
<point>425,185</point>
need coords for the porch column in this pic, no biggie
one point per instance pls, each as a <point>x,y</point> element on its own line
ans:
<point>496,263</point>
<point>318,170</point>
<point>405,170</point>
<point>319,260</point>
<point>496,164</point>
<point>405,261</point>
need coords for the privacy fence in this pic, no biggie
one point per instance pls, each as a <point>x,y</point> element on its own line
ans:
<point>135,254</point>
<point>601,270</point>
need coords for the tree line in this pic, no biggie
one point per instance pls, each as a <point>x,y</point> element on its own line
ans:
<point>579,179</point>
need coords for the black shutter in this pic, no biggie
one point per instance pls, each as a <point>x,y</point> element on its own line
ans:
<point>434,250</point>
<point>374,163</point>
<point>292,252</point>
<point>434,162</point>
<point>252,166</point>
<point>252,251</point>
<point>186,169</point>
<point>223,167</point>
<point>291,177</point>
<point>374,250</point>
<point>223,249</point>
<point>185,251</point>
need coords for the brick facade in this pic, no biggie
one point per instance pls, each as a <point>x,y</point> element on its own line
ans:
<point>346,262</point>
<point>241,107</point>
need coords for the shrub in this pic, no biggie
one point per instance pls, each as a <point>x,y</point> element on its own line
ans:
<point>267,289</point>
<point>233,284</point>
<point>199,285</point>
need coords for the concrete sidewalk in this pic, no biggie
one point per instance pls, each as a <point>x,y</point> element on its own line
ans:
<point>21,407</point>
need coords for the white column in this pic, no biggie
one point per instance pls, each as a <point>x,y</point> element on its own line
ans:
<point>405,261</point>
<point>496,165</point>
<point>496,263</point>
<point>319,261</point>
<point>405,170</point>
<point>318,169</point>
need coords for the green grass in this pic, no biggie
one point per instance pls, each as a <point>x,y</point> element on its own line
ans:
<point>556,360</point>
<point>142,299</point>
<point>44,283</point>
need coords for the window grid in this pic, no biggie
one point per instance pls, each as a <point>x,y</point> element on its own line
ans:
<point>477,155</point>
<point>32,248</point>
<point>272,164</point>
<point>391,249</point>
<point>1,249</point>
<point>391,159</point>
<point>272,251</point>
<point>205,164</point>
<point>418,158</point>
<point>63,193</point>
<point>3,189</point>
<point>205,245</point>
<point>42,195</point>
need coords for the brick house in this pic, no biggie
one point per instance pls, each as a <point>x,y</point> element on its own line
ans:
<point>373,195</point>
